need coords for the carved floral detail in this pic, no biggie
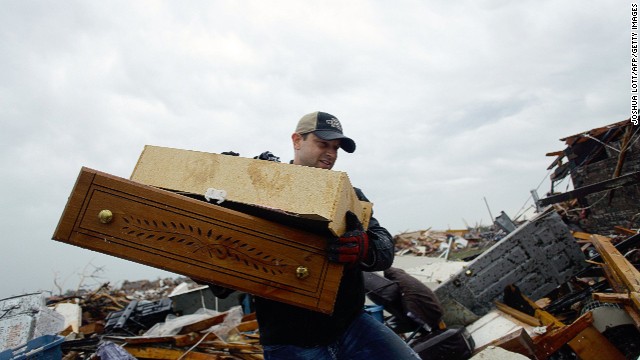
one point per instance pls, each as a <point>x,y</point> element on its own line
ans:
<point>205,241</point>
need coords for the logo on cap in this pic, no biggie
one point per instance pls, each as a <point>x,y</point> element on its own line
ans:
<point>334,123</point>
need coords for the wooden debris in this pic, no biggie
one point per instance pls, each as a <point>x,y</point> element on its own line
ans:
<point>518,341</point>
<point>587,342</point>
<point>196,343</point>
<point>625,180</point>
<point>624,231</point>
<point>519,315</point>
<point>541,333</point>
<point>250,325</point>
<point>204,324</point>
<point>622,275</point>
<point>457,243</point>
<point>161,353</point>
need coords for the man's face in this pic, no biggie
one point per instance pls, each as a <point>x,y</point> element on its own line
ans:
<point>315,152</point>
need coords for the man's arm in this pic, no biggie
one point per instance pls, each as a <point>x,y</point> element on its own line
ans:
<point>381,247</point>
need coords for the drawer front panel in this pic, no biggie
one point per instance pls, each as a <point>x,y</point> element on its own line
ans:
<point>200,240</point>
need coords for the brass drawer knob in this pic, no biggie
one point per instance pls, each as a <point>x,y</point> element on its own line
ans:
<point>105,216</point>
<point>302,272</point>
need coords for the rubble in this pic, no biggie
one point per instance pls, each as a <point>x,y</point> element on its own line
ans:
<point>563,285</point>
<point>496,353</point>
<point>537,257</point>
<point>605,158</point>
<point>588,297</point>
<point>26,317</point>
<point>449,244</point>
<point>107,328</point>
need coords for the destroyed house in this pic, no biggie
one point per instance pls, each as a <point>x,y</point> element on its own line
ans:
<point>604,168</point>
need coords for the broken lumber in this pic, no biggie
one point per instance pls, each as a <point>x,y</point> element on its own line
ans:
<point>584,339</point>
<point>575,334</point>
<point>625,180</point>
<point>161,353</point>
<point>518,315</point>
<point>622,275</point>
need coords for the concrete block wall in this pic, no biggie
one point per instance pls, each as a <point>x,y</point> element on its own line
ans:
<point>623,210</point>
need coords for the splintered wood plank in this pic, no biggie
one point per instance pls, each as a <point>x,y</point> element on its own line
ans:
<point>203,324</point>
<point>199,240</point>
<point>251,325</point>
<point>160,353</point>
<point>300,190</point>
<point>623,277</point>
<point>552,341</point>
<point>517,314</point>
<point>629,275</point>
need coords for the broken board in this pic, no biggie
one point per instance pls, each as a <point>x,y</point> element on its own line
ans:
<point>307,192</point>
<point>203,241</point>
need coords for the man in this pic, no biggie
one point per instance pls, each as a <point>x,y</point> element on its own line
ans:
<point>290,332</point>
<point>418,305</point>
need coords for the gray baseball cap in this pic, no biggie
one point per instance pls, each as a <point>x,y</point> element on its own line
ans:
<point>326,127</point>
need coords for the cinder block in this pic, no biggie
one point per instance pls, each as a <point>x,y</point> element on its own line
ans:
<point>302,191</point>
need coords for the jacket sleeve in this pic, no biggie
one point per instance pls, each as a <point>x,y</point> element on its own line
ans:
<point>381,247</point>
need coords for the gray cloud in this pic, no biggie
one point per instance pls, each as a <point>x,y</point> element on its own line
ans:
<point>448,103</point>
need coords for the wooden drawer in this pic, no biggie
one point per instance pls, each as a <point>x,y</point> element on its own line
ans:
<point>199,240</point>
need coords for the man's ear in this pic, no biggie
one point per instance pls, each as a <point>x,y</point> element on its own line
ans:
<point>297,139</point>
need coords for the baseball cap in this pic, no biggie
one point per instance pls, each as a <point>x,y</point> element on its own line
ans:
<point>326,127</point>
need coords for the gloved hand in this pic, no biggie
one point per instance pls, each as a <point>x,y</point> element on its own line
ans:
<point>267,155</point>
<point>353,246</point>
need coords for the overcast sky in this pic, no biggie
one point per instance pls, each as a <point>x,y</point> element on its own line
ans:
<point>448,102</point>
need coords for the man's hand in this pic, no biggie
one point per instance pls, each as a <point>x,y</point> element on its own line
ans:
<point>353,246</point>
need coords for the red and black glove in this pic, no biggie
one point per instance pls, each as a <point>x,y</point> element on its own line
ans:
<point>353,246</point>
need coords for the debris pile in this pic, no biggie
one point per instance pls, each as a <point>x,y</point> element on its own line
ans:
<point>452,244</point>
<point>604,167</point>
<point>138,318</point>
<point>581,268</point>
<point>562,285</point>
